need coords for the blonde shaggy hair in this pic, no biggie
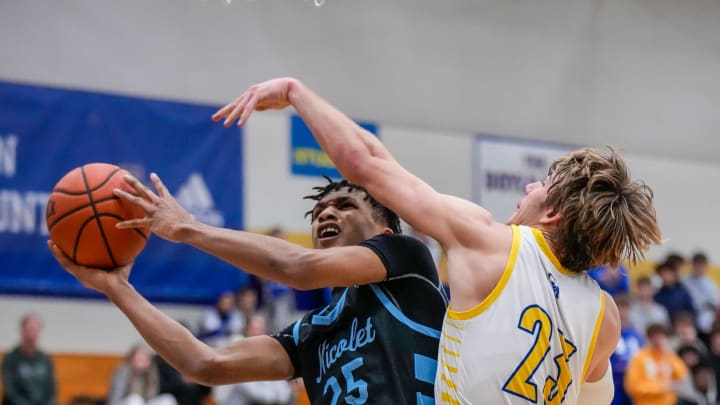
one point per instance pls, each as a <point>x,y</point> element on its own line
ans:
<point>605,215</point>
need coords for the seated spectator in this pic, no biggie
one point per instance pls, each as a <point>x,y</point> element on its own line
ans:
<point>644,311</point>
<point>653,375</point>
<point>704,390</point>
<point>630,342</point>
<point>704,294</point>
<point>672,294</point>
<point>28,376</point>
<point>685,333</point>
<point>690,355</point>
<point>137,382</point>
<point>221,323</point>
<point>714,357</point>
<point>613,279</point>
<point>246,299</point>
<point>257,392</point>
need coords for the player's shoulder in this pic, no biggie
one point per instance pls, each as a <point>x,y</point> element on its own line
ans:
<point>402,254</point>
<point>398,244</point>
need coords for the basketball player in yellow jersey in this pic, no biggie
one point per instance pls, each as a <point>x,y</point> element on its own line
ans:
<point>525,325</point>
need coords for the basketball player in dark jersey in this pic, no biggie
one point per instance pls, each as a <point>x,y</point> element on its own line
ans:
<point>376,343</point>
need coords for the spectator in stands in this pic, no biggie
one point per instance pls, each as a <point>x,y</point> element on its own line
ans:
<point>672,294</point>
<point>704,387</point>
<point>644,310</point>
<point>704,294</point>
<point>675,260</point>
<point>714,356</point>
<point>692,358</point>
<point>630,342</point>
<point>137,381</point>
<point>222,322</point>
<point>258,392</point>
<point>613,279</point>
<point>246,299</point>
<point>28,376</point>
<point>655,371</point>
<point>686,333</point>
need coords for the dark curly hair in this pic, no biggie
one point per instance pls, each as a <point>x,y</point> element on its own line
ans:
<point>381,213</point>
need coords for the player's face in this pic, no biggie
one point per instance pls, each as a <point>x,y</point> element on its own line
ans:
<point>343,218</point>
<point>531,208</point>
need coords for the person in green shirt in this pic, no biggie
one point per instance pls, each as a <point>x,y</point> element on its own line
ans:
<point>28,376</point>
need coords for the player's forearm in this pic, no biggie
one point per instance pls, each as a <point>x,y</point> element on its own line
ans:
<point>167,337</point>
<point>264,256</point>
<point>346,143</point>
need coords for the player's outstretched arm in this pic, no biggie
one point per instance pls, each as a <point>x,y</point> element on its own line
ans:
<point>264,256</point>
<point>362,159</point>
<point>253,359</point>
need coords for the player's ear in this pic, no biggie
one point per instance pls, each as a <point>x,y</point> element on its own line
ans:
<point>387,231</point>
<point>551,217</point>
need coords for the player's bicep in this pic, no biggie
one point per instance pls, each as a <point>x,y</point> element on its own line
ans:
<point>341,267</point>
<point>606,342</point>
<point>257,358</point>
<point>440,216</point>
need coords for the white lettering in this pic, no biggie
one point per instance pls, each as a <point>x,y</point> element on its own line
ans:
<point>23,213</point>
<point>8,155</point>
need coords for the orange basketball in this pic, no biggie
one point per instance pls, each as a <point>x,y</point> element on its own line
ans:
<point>82,212</point>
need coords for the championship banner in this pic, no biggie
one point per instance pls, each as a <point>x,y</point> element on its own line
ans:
<point>306,156</point>
<point>46,132</point>
<point>502,167</point>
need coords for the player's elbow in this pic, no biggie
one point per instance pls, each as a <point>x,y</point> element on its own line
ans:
<point>201,369</point>
<point>207,370</point>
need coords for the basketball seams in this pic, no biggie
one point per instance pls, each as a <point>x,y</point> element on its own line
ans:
<point>95,214</point>
<point>87,186</point>
<point>74,210</point>
<point>118,217</point>
<point>78,236</point>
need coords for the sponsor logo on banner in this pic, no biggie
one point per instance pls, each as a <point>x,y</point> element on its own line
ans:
<point>195,196</point>
<point>504,166</point>
<point>306,156</point>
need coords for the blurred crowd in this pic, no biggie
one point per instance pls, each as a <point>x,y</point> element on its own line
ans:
<point>669,348</point>
<point>668,353</point>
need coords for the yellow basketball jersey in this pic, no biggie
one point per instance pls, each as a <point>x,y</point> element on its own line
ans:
<point>529,341</point>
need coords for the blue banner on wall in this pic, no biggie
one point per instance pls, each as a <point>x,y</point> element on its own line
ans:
<point>46,132</point>
<point>306,156</point>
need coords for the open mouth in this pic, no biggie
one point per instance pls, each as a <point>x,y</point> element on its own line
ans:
<point>328,231</point>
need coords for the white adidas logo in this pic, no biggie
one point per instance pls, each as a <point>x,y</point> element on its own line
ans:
<point>195,196</point>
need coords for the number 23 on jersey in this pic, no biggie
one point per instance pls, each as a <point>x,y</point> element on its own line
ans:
<point>535,321</point>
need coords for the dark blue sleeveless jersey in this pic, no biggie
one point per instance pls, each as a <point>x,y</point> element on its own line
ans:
<point>376,343</point>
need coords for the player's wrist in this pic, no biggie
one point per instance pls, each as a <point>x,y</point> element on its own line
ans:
<point>190,231</point>
<point>294,90</point>
<point>116,287</point>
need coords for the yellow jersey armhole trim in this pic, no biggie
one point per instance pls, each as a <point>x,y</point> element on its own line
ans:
<point>495,293</point>
<point>593,341</point>
<point>545,247</point>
